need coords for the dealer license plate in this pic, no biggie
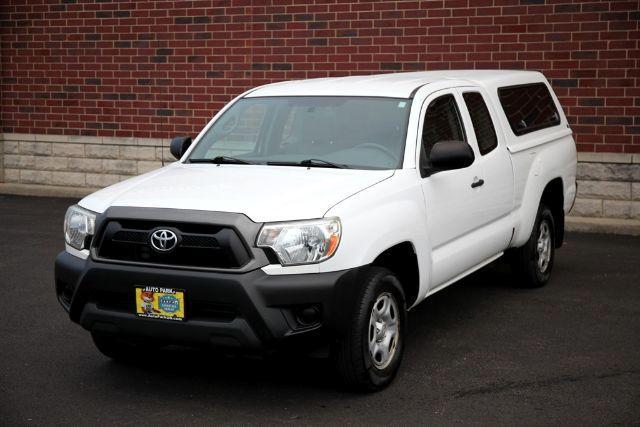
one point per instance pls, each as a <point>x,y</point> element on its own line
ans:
<point>156,302</point>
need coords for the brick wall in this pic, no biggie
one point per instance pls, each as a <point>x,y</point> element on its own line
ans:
<point>143,69</point>
<point>90,91</point>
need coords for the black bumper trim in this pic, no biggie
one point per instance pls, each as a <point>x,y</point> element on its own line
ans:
<point>263,302</point>
<point>236,333</point>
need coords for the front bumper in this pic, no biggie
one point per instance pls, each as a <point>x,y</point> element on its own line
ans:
<point>250,310</point>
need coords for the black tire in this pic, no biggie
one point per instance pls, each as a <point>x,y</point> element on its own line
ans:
<point>525,260</point>
<point>122,349</point>
<point>354,361</point>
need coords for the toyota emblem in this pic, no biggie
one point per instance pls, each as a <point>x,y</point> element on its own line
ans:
<point>163,240</point>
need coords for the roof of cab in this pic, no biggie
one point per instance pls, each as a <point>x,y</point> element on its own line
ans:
<point>398,85</point>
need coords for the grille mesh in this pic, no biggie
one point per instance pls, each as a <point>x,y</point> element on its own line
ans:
<point>199,245</point>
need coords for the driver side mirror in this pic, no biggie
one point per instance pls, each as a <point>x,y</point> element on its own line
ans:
<point>448,155</point>
<point>179,146</point>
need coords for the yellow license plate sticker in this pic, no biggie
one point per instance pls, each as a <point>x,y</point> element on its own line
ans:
<point>156,302</point>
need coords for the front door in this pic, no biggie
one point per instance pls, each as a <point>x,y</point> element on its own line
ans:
<point>451,197</point>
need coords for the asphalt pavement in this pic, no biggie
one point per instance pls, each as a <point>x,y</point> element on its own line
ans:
<point>479,352</point>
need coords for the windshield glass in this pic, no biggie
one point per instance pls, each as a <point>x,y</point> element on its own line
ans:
<point>354,132</point>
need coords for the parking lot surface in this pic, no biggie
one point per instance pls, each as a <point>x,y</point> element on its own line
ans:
<point>479,352</point>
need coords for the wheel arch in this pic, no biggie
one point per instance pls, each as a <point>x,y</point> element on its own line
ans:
<point>553,198</point>
<point>402,260</point>
<point>549,191</point>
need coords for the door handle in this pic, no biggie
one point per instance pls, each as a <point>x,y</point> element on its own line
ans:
<point>477,183</point>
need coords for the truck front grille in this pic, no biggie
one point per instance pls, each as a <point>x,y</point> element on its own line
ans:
<point>198,245</point>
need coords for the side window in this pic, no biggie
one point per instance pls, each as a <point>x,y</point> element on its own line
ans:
<point>482,123</point>
<point>528,107</point>
<point>441,123</point>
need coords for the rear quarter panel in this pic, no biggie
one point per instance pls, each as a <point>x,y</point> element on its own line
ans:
<point>538,158</point>
<point>533,169</point>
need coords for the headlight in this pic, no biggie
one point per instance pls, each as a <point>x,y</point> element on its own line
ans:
<point>79,224</point>
<point>302,242</point>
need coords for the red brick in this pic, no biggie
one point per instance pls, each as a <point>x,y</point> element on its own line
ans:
<point>111,68</point>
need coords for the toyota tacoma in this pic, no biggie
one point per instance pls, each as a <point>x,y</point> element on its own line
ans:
<point>318,212</point>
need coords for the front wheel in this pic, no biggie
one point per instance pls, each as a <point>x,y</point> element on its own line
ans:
<point>532,263</point>
<point>369,352</point>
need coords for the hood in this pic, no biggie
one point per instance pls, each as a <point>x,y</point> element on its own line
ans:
<point>263,193</point>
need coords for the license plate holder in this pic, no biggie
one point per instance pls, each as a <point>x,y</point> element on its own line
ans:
<point>157,302</point>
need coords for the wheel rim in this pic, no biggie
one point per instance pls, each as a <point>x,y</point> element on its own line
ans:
<point>384,328</point>
<point>543,246</point>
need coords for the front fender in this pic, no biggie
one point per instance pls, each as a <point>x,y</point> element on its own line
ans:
<point>374,220</point>
<point>380,217</point>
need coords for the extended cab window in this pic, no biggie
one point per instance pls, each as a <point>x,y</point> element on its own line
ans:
<point>528,107</point>
<point>482,123</point>
<point>441,123</point>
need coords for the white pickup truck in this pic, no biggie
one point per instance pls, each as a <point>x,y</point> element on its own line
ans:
<point>317,212</point>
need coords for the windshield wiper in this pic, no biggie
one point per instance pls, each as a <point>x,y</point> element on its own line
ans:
<point>223,160</point>
<point>319,163</point>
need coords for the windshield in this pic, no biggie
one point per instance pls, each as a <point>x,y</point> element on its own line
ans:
<point>353,132</point>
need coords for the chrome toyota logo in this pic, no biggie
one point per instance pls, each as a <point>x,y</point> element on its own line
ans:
<point>163,240</point>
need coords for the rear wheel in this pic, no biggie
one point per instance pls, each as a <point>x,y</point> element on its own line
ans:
<point>532,263</point>
<point>369,352</point>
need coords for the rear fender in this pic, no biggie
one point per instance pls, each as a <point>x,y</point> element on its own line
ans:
<point>546,162</point>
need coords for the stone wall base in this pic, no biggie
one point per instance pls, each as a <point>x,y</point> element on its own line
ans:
<point>603,225</point>
<point>46,190</point>
<point>74,166</point>
<point>78,161</point>
<point>608,186</point>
